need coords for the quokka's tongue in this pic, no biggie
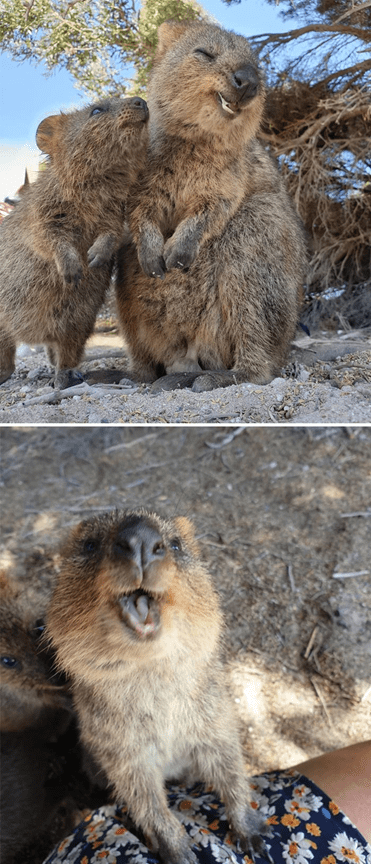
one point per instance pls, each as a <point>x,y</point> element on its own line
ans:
<point>139,612</point>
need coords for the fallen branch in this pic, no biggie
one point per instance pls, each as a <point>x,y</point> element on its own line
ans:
<point>79,390</point>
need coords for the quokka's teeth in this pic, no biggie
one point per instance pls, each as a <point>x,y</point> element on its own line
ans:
<point>225,105</point>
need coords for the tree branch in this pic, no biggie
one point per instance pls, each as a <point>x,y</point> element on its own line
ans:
<point>359,8</point>
<point>284,38</point>
<point>28,8</point>
<point>357,67</point>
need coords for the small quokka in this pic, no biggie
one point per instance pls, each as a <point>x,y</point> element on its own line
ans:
<point>136,623</point>
<point>212,219</point>
<point>56,247</point>
<point>32,691</point>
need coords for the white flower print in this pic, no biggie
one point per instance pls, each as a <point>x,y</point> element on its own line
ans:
<point>302,802</point>
<point>105,856</point>
<point>297,850</point>
<point>73,856</point>
<point>347,849</point>
<point>118,835</point>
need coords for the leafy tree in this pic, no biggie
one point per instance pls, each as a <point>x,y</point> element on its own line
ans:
<point>95,41</point>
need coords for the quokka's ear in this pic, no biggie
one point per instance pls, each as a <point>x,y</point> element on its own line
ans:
<point>48,133</point>
<point>168,33</point>
<point>7,585</point>
<point>187,531</point>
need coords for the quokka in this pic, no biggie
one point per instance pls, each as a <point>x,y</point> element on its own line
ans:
<point>33,693</point>
<point>56,247</point>
<point>136,624</point>
<point>211,218</point>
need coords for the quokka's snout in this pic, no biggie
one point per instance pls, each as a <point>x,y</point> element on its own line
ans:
<point>139,546</point>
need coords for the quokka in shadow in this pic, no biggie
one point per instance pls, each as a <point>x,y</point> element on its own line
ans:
<point>32,691</point>
<point>212,219</point>
<point>136,624</point>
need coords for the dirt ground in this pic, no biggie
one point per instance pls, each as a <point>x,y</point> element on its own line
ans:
<point>280,514</point>
<point>327,380</point>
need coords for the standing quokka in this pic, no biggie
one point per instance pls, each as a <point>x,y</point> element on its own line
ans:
<point>32,692</point>
<point>212,219</point>
<point>57,245</point>
<point>136,623</point>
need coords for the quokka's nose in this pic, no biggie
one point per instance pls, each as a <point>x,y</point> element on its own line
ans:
<point>137,102</point>
<point>246,81</point>
<point>139,541</point>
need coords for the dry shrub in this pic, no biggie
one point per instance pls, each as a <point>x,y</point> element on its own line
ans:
<point>322,141</point>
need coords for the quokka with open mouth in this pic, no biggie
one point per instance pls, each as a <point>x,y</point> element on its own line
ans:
<point>135,621</point>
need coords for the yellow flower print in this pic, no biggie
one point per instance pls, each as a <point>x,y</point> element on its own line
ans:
<point>214,825</point>
<point>185,805</point>
<point>334,808</point>
<point>298,808</point>
<point>329,860</point>
<point>272,820</point>
<point>300,791</point>
<point>350,854</point>
<point>313,829</point>
<point>290,819</point>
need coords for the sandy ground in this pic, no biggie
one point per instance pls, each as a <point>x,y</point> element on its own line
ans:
<point>283,520</point>
<point>328,380</point>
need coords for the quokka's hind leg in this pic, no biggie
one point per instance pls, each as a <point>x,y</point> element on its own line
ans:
<point>68,355</point>
<point>7,354</point>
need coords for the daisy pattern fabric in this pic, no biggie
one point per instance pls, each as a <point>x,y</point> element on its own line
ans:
<point>304,827</point>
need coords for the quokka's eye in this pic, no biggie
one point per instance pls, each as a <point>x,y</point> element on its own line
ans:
<point>98,109</point>
<point>91,546</point>
<point>10,662</point>
<point>175,544</point>
<point>204,53</point>
<point>39,627</point>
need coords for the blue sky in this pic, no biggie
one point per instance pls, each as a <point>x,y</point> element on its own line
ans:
<point>27,95</point>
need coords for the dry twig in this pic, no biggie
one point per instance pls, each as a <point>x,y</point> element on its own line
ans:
<point>322,701</point>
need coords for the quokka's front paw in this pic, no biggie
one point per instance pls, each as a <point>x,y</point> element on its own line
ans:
<point>251,838</point>
<point>101,251</point>
<point>180,255</point>
<point>182,854</point>
<point>150,249</point>
<point>153,265</point>
<point>72,269</point>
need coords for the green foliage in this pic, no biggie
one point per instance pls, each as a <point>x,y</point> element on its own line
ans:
<point>98,42</point>
<point>151,16</point>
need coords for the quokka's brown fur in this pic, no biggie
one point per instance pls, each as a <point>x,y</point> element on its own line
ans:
<point>57,245</point>
<point>211,204</point>
<point>136,623</point>
<point>32,693</point>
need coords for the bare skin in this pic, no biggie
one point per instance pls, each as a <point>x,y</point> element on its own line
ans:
<point>345,776</point>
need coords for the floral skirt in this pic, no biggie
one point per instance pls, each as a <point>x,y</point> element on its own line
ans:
<point>305,827</point>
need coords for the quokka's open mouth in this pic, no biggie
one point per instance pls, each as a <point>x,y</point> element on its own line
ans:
<point>140,611</point>
<point>226,105</point>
